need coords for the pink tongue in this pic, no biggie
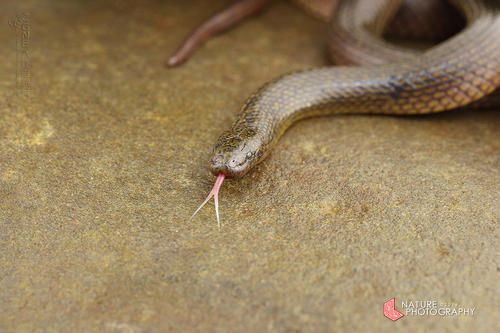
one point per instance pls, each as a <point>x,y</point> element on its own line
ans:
<point>214,193</point>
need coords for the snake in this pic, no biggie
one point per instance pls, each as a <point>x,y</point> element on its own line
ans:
<point>461,70</point>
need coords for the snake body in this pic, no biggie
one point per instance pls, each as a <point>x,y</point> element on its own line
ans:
<point>455,73</point>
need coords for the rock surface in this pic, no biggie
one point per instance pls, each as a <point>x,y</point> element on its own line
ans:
<point>102,165</point>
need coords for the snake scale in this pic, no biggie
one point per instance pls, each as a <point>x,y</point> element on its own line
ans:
<point>461,70</point>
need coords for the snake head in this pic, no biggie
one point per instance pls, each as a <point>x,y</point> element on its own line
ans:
<point>236,152</point>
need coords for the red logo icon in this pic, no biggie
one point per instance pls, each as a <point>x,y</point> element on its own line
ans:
<point>390,312</point>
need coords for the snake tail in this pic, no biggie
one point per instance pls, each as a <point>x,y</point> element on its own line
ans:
<point>219,22</point>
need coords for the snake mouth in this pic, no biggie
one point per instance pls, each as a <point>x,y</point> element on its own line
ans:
<point>230,168</point>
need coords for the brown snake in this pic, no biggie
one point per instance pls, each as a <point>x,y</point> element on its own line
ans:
<point>394,80</point>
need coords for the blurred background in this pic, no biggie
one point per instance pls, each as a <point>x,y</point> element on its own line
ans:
<point>104,156</point>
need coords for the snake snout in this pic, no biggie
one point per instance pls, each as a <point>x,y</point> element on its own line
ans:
<point>233,166</point>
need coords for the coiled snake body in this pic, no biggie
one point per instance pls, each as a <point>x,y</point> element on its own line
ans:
<point>457,72</point>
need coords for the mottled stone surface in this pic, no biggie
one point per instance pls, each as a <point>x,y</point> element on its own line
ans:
<point>102,166</point>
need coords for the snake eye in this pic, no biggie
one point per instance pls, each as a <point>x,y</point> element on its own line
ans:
<point>249,154</point>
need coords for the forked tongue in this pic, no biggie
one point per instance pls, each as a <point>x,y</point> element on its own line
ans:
<point>214,193</point>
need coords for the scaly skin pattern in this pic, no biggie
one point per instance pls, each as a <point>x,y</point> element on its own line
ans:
<point>455,73</point>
